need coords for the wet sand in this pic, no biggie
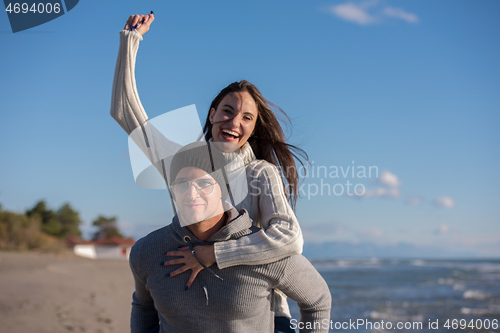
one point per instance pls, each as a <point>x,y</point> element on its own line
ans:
<point>48,293</point>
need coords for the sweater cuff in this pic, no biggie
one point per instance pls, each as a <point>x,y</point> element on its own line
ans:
<point>255,249</point>
<point>223,261</point>
<point>132,34</point>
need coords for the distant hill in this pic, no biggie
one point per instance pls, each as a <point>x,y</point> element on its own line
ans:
<point>370,250</point>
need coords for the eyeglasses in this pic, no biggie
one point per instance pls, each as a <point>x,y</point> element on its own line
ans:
<point>204,186</point>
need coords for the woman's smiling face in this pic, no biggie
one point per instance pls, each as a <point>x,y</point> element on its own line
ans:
<point>234,120</point>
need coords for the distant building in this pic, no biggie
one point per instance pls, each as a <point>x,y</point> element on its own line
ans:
<point>109,248</point>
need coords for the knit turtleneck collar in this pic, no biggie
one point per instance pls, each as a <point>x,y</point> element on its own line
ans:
<point>245,153</point>
<point>239,224</point>
<point>243,156</point>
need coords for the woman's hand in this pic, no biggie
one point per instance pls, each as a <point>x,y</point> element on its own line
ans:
<point>205,254</point>
<point>140,23</point>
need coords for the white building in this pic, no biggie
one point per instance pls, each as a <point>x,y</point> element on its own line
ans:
<point>109,248</point>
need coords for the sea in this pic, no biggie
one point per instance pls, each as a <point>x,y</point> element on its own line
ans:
<point>376,295</point>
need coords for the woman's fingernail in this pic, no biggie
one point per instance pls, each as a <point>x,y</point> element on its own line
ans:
<point>136,26</point>
<point>152,12</point>
<point>162,263</point>
<point>167,275</point>
<point>186,288</point>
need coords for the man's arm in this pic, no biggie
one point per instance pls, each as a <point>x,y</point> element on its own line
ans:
<point>144,315</point>
<point>301,282</point>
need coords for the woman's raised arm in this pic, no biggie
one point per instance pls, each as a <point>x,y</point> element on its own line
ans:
<point>126,107</point>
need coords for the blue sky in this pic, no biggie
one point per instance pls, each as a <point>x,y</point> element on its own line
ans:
<point>409,87</point>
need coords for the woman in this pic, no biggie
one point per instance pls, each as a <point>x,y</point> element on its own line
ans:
<point>239,116</point>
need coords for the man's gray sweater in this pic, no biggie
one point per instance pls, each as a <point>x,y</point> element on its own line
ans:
<point>240,303</point>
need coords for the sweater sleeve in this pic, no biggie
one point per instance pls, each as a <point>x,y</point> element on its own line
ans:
<point>144,316</point>
<point>301,282</point>
<point>127,110</point>
<point>126,107</point>
<point>280,237</point>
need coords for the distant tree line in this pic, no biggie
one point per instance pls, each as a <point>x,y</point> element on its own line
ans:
<point>43,228</point>
<point>61,223</point>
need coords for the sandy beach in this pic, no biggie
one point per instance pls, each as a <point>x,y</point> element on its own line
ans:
<point>49,293</point>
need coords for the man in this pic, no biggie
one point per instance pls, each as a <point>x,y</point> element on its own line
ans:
<point>237,299</point>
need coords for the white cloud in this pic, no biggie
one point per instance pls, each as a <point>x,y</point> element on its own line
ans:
<point>444,202</point>
<point>382,192</point>
<point>388,187</point>
<point>389,179</point>
<point>370,12</point>
<point>356,13</point>
<point>400,14</point>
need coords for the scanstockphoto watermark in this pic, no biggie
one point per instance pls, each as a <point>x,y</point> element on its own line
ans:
<point>356,324</point>
<point>368,325</point>
<point>332,180</point>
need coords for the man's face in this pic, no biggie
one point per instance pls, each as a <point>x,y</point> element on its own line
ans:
<point>197,195</point>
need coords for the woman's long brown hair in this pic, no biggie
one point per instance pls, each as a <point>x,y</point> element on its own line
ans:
<point>268,140</point>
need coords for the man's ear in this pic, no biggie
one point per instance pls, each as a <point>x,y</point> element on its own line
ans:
<point>211,115</point>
